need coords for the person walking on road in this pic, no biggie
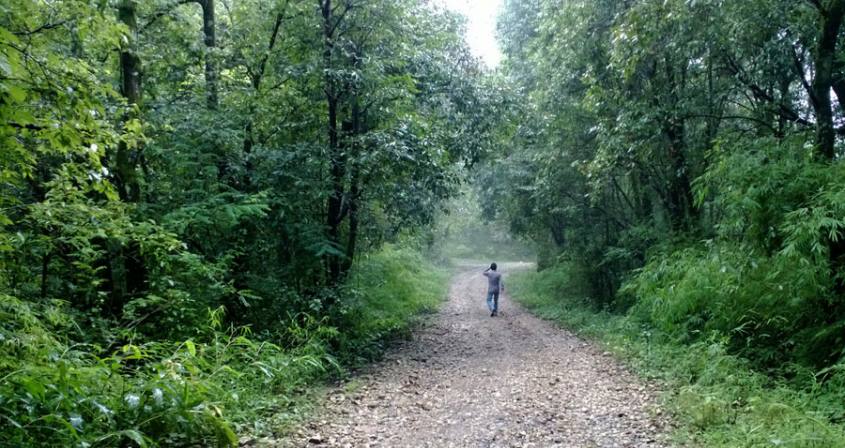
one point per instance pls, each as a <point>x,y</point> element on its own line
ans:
<point>494,285</point>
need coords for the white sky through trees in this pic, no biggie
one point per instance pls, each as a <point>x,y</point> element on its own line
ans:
<point>481,26</point>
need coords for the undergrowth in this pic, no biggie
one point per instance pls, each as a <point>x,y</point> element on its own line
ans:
<point>717,397</point>
<point>389,290</point>
<point>202,391</point>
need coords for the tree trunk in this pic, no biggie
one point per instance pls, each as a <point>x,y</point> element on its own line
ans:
<point>357,129</point>
<point>211,75</point>
<point>45,269</point>
<point>336,156</point>
<point>352,237</point>
<point>557,231</point>
<point>337,173</point>
<point>679,199</point>
<point>780,131</point>
<point>825,60</point>
<point>839,89</point>
<point>130,68</point>
<point>255,80</point>
<point>640,193</point>
<point>680,190</point>
<point>127,272</point>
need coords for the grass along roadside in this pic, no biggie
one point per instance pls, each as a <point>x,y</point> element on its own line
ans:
<point>716,398</point>
<point>388,294</point>
<point>390,291</point>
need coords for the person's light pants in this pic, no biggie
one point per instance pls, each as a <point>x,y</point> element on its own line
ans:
<point>493,300</point>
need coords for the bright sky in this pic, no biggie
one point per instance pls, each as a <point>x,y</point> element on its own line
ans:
<point>481,26</point>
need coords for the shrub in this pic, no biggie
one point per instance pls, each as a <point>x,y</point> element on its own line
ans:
<point>718,398</point>
<point>199,391</point>
<point>388,289</point>
<point>157,393</point>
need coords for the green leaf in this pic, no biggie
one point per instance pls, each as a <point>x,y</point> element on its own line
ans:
<point>135,436</point>
<point>16,93</point>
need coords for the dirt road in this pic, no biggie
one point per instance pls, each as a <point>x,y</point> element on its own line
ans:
<point>471,380</point>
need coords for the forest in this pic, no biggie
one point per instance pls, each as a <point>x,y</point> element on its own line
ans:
<point>680,164</point>
<point>210,207</point>
<point>197,194</point>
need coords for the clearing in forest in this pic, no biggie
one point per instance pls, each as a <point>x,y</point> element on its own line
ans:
<point>470,380</point>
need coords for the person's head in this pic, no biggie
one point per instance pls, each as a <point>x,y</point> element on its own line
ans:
<point>493,266</point>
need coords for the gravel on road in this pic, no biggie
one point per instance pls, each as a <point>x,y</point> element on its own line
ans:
<point>466,379</point>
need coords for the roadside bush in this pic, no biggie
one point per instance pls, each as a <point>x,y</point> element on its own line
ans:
<point>388,290</point>
<point>719,398</point>
<point>199,391</point>
<point>762,305</point>
<point>158,393</point>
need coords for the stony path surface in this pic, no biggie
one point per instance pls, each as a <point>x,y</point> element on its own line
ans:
<point>469,380</point>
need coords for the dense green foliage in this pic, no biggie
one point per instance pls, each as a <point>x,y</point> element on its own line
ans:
<point>394,285</point>
<point>195,198</point>
<point>683,159</point>
<point>719,399</point>
<point>207,205</point>
<point>221,382</point>
<point>690,151</point>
